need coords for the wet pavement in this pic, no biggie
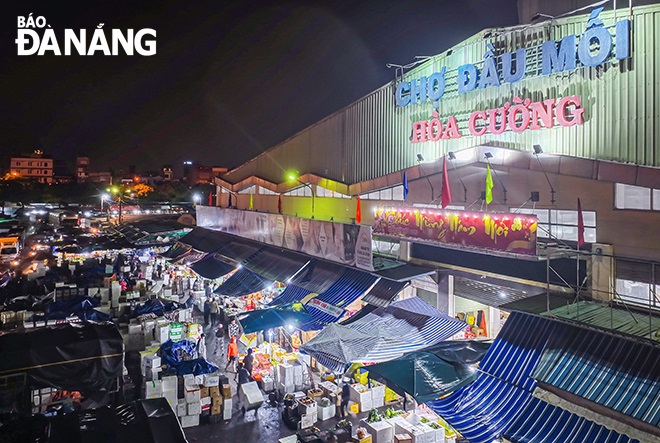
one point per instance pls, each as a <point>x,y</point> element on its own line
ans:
<point>263,425</point>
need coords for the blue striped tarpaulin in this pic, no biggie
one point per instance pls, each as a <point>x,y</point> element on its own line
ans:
<point>383,334</point>
<point>291,294</point>
<point>243,282</point>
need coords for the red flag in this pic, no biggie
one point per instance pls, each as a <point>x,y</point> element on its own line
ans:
<point>446,192</point>
<point>358,212</point>
<point>210,198</point>
<point>580,222</point>
<point>279,204</point>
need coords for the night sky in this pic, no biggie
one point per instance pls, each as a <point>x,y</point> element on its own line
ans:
<point>229,80</point>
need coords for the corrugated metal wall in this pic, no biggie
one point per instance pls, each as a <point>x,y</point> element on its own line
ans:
<point>371,137</point>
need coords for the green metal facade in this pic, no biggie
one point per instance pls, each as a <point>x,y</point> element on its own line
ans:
<point>372,137</point>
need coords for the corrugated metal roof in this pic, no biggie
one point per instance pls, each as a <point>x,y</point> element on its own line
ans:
<point>612,317</point>
<point>371,137</point>
<point>291,294</point>
<point>318,276</point>
<point>176,251</point>
<point>243,282</point>
<point>205,240</point>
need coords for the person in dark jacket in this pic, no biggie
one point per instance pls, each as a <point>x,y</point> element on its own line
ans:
<point>345,397</point>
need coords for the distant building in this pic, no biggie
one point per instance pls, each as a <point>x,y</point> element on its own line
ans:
<point>63,179</point>
<point>100,177</point>
<point>167,172</point>
<point>82,169</point>
<point>36,166</point>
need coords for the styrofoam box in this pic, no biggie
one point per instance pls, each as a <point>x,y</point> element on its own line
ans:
<point>135,329</point>
<point>226,409</point>
<point>188,421</point>
<point>285,389</point>
<point>359,397</point>
<point>378,392</point>
<point>153,389</point>
<point>205,401</point>
<point>403,427</point>
<point>152,373</point>
<point>378,403</point>
<point>269,384</point>
<point>327,412</point>
<point>433,435</point>
<point>194,408</point>
<point>170,383</point>
<point>250,395</point>
<point>181,407</point>
<point>188,380</point>
<point>211,380</point>
<point>381,431</point>
<point>192,393</point>
<point>307,421</point>
<point>366,405</point>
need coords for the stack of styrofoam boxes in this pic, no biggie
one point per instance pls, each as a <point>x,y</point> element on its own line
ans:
<point>151,366</point>
<point>298,380</point>
<point>308,412</point>
<point>162,331</point>
<point>226,402</point>
<point>176,331</point>
<point>193,402</point>
<point>208,381</point>
<point>250,395</point>
<point>115,292</point>
<point>381,431</point>
<point>286,377</point>
<point>171,390</point>
<point>325,412</point>
<point>377,395</point>
<point>194,331</point>
<point>329,388</point>
<point>360,394</point>
<point>148,327</point>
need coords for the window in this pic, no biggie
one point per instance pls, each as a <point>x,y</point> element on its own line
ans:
<point>395,193</point>
<point>249,190</point>
<point>636,197</point>
<point>266,191</point>
<point>385,246</point>
<point>323,192</point>
<point>45,172</point>
<point>562,224</point>
<point>302,191</point>
<point>638,282</point>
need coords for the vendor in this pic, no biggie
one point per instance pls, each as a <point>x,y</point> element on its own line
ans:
<point>248,361</point>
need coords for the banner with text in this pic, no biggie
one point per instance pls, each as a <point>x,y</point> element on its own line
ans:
<point>346,244</point>
<point>505,232</point>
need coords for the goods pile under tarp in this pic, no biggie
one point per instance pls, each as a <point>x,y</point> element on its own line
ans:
<point>81,307</point>
<point>76,357</point>
<point>178,358</point>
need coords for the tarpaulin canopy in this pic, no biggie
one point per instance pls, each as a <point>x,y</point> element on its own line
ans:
<point>382,335</point>
<point>176,251</point>
<point>292,293</point>
<point>243,282</point>
<point>212,267</point>
<point>76,357</point>
<point>277,264</point>
<point>205,240</point>
<point>176,356</point>
<point>426,375</point>
<point>384,291</point>
<point>293,314</point>
<point>81,307</point>
<point>156,307</point>
<point>318,276</point>
<point>500,402</point>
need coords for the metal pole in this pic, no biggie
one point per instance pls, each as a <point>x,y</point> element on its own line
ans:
<point>547,281</point>
<point>577,281</point>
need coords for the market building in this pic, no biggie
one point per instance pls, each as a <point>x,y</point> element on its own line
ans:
<point>559,111</point>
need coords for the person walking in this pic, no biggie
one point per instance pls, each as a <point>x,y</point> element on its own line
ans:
<point>219,339</point>
<point>242,377</point>
<point>214,310</point>
<point>232,354</point>
<point>345,397</point>
<point>201,347</point>
<point>207,311</point>
<point>233,329</point>
<point>248,361</point>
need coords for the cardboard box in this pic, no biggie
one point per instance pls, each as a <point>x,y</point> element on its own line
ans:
<point>226,391</point>
<point>216,408</point>
<point>194,408</point>
<point>402,438</point>
<point>188,421</point>
<point>214,391</point>
<point>204,392</point>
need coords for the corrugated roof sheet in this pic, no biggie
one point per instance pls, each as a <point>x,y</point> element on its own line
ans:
<point>277,264</point>
<point>211,267</point>
<point>318,276</point>
<point>243,282</point>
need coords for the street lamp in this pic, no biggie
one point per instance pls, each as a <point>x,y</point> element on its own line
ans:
<point>293,177</point>
<point>104,196</point>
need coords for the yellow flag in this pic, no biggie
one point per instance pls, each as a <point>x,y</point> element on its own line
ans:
<point>251,207</point>
<point>489,186</point>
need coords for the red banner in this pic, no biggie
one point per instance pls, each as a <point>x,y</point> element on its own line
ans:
<point>504,232</point>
